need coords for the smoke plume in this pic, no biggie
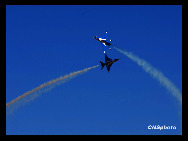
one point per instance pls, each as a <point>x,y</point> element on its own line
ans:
<point>30,95</point>
<point>156,74</point>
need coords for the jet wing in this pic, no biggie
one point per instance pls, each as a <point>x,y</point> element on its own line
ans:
<point>108,67</point>
<point>107,59</point>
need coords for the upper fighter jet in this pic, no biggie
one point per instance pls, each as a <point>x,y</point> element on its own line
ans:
<point>103,41</point>
<point>108,62</point>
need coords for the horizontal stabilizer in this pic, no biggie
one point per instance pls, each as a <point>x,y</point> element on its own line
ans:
<point>102,64</point>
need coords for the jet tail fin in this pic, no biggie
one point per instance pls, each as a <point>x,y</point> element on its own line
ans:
<point>102,64</point>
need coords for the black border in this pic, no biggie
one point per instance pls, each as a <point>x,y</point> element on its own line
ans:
<point>3,4</point>
<point>93,2</point>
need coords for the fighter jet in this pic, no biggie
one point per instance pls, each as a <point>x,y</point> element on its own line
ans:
<point>103,41</point>
<point>108,62</point>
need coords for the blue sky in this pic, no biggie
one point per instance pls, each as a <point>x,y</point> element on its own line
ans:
<point>45,42</point>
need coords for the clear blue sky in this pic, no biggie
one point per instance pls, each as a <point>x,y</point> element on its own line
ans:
<point>45,42</point>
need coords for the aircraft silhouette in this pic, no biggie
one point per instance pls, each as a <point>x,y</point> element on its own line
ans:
<point>108,62</point>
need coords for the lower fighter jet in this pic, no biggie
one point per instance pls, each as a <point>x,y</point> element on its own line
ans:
<point>103,41</point>
<point>108,62</point>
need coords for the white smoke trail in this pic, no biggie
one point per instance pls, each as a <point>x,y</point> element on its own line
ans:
<point>156,74</point>
<point>30,95</point>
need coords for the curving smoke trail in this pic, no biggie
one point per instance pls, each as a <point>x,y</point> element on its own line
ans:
<point>30,95</point>
<point>156,74</point>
